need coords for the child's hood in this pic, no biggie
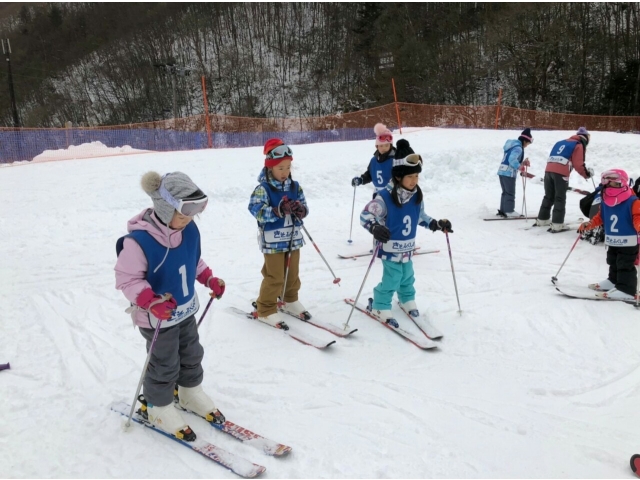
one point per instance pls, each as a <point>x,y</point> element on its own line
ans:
<point>147,221</point>
<point>509,144</point>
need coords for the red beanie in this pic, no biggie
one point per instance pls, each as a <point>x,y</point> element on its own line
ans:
<point>270,145</point>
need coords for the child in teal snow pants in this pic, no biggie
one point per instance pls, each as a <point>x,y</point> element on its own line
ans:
<point>392,217</point>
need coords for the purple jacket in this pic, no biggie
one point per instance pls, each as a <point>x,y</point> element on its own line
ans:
<point>131,267</point>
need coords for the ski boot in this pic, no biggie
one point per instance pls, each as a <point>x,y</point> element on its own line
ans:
<point>385,316</point>
<point>197,401</point>
<point>167,419</point>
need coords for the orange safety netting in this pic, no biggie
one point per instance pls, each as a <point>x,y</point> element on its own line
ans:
<point>189,133</point>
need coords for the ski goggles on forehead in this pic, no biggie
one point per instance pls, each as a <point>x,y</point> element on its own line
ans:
<point>188,208</point>
<point>410,160</point>
<point>386,138</point>
<point>280,152</point>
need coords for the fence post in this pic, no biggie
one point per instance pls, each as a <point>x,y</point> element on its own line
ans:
<point>498,107</point>
<point>68,125</point>
<point>206,112</point>
<point>395,98</point>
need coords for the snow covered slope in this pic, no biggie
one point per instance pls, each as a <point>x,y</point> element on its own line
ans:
<point>526,383</point>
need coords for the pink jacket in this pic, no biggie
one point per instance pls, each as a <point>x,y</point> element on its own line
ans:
<point>576,161</point>
<point>131,267</point>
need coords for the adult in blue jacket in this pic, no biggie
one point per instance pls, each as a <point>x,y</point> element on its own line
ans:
<point>512,161</point>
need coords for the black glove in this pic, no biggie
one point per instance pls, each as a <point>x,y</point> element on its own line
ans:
<point>284,207</point>
<point>298,209</point>
<point>380,232</point>
<point>590,172</point>
<point>356,181</point>
<point>445,225</point>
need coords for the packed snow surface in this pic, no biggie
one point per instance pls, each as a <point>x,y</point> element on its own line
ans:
<point>525,383</point>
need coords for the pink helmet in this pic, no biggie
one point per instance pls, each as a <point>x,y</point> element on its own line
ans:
<point>615,195</point>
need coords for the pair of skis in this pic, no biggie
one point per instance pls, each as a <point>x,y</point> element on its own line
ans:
<point>430,332</point>
<point>294,332</point>
<point>237,464</point>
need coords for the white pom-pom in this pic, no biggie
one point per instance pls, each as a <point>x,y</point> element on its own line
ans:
<point>151,181</point>
<point>379,129</point>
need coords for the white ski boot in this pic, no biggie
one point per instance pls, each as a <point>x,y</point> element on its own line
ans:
<point>542,223</point>
<point>296,309</point>
<point>275,320</point>
<point>410,308</point>
<point>385,316</point>
<point>167,419</point>
<point>197,401</point>
<point>603,286</point>
<point>615,294</point>
<point>513,214</point>
<point>558,227</point>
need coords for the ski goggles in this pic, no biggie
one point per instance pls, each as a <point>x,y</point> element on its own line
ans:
<point>385,138</point>
<point>281,151</point>
<point>188,208</point>
<point>410,160</point>
<point>612,179</point>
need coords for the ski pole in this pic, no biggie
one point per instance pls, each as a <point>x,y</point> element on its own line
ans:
<point>353,307</point>
<point>5,366</point>
<point>455,285</point>
<point>554,279</point>
<point>206,309</point>
<point>288,261</point>
<point>352,210</point>
<point>637,290</point>
<point>524,193</point>
<point>164,298</point>
<point>335,279</point>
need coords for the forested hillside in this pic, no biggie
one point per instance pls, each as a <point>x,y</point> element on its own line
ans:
<point>100,63</point>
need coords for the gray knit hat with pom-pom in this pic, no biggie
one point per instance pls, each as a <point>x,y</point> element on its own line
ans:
<point>177,184</point>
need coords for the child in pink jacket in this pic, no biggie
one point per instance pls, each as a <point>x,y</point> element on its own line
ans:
<point>158,263</point>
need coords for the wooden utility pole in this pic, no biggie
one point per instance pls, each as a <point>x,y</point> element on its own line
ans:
<point>12,95</point>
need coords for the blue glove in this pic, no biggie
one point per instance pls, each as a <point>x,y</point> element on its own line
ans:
<point>356,181</point>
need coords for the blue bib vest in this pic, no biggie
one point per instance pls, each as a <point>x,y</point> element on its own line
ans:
<point>618,224</point>
<point>403,224</point>
<point>562,151</point>
<point>176,275</point>
<point>505,166</point>
<point>380,172</point>
<point>280,230</point>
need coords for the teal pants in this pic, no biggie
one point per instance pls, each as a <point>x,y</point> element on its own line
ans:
<point>396,277</point>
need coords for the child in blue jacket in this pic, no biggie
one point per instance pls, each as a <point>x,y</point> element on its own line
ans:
<point>512,161</point>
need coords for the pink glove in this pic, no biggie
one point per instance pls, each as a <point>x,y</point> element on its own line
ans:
<point>161,307</point>
<point>216,284</point>
<point>526,162</point>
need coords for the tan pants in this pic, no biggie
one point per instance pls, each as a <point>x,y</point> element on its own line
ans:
<point>273,281</point>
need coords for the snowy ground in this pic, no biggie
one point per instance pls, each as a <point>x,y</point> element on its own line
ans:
<point>526,383</point>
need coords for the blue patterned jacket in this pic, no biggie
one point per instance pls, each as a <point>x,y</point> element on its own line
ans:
<point>261,208</point>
